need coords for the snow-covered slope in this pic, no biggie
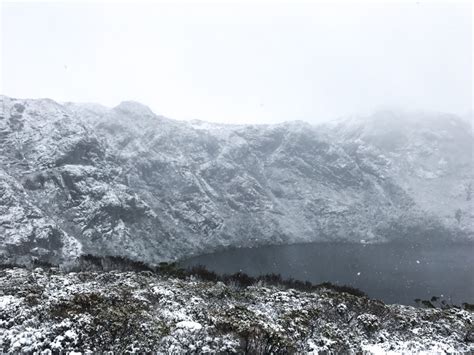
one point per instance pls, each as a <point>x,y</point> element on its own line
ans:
<point>430,156</point>
<point>124,181</point>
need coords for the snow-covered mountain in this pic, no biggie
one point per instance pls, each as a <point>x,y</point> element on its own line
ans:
<point>82,178</point>
<point>430,156</point>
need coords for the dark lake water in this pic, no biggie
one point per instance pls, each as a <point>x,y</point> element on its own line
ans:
<point>394,273</point>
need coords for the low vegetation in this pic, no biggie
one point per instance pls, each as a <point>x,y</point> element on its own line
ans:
<point>94,263</point>
<point>238,279</point>
<point>52,310</point>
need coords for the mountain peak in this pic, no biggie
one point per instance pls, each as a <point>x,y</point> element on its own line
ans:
<point>134,108</point>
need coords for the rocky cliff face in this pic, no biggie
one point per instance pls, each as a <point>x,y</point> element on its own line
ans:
<point>429,156</point>
<point>79,178</point>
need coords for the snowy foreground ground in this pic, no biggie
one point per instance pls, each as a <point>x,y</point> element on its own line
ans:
<point>48,310</point>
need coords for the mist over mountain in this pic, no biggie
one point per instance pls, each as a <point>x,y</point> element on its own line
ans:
<point>84,179</point>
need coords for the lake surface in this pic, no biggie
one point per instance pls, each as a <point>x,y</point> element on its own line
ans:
<point>394,273</point>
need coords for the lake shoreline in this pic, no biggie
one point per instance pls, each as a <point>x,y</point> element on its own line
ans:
<point>393,272</point>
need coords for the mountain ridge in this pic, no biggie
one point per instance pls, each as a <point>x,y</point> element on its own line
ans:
<point>124,181</point>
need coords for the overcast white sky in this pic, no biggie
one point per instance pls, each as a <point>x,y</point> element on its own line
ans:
<point>246,62</point>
